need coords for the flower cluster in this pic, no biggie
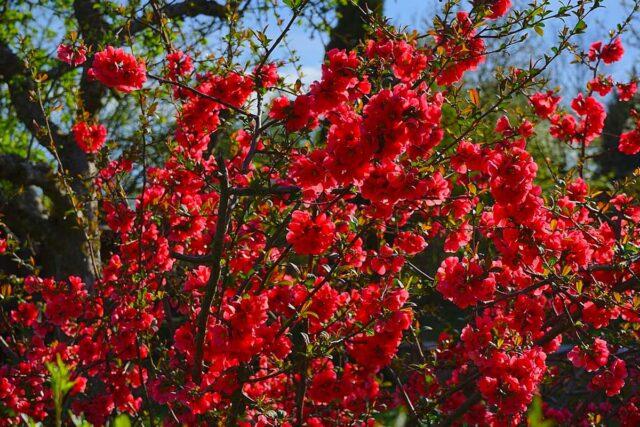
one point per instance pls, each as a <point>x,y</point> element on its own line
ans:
<point>276,277</point>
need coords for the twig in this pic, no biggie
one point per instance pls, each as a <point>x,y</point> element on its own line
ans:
<point>258,118</point>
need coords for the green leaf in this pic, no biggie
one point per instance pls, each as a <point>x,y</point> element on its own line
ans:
<point>535,417</point>
<point>122,420</point>
<point>60,385</point>
<point>292,3</point>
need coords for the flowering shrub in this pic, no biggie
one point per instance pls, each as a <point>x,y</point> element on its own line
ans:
<point>270,275</point>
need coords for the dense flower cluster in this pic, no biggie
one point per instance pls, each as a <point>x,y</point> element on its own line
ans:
<point>274,279</point>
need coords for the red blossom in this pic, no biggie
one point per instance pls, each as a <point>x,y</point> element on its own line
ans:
<point>609,53</point>
<point>629,142</point>
<point>72,55</point>
<point>115,68</point>
<point>544,103</point>
<point>590,358</point>
<point>284,268</point>
<point>178,64</point>
<point>612,378</point>
<point>89,137</point>
<point>626,91</point>
<point>310,235</point>
<point>462,282</point>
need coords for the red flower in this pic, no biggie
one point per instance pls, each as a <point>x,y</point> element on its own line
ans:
<point>497,8</point>
<point>612,379</point>
<point>311,236</point>
<point>577,189</point>
<point>597,316</point>
<point>72,55</point>
<point>267,75</point>
<point>630,142</point>
<point>602,85</point>
<point>590,359</point>
<point>609,53</point>
<point>410,243</point>
<point>592,123</point>
<point>89,138</point>
<point>297,114</point>
<point>544,103</point>
<point>178,64</point>
<point>26,314</point>
<point>462,282</point>
<point>512,380</point>
<point>626,91</point>
<point>458,238</point>
<point>117,69</point>
<point>463,49</point>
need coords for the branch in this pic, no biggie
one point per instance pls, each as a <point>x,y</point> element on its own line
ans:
<point>265,191</point>
<point>405,396</point>
<point>202,94</point>
<point>25,215</point>
<point>461,410</point>
<point>216,266</point>
<point>263,61</point>
<point>20,171</point>
<point>194,259</point>
<point>15,74</point>
<point>188,8</point>
<point>627,285</point>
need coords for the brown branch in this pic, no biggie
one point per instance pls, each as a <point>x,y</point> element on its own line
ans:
<point>627,285</point>
<point>17,76</point>
<point>262,191</point>
<point>188,8</point>
<point>461,410</point>
<point>258,120</point>
<point>194,259</point>
<point>216,267</point>
<point>300,341</point>
<point>20,171</point>
<point>405,396</point>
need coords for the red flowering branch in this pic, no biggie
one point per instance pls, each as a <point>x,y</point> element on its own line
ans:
<point>203,95</point>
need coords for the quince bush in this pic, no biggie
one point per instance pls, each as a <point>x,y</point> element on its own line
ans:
<point>268,276</point>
